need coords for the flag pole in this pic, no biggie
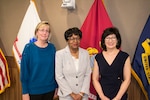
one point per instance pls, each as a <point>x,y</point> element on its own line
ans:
<point>35,5</point>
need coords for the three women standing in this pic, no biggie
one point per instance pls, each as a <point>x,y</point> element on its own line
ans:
<point>111,72</point>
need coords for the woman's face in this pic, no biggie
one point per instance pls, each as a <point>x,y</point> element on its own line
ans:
<point>43,33</point>
<point>74,42</point>
<point>111,41</point>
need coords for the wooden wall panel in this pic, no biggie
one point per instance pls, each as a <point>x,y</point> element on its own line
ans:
<point>14,91</point>
<point>134,91</point>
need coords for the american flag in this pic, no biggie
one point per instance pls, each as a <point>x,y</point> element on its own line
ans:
<point>4,73</point>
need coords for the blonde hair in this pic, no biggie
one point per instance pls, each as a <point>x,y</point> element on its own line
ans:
<point>41,24</point>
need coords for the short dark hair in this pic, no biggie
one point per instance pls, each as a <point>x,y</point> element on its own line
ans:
<point>76,31</point>
<point>109,31</point>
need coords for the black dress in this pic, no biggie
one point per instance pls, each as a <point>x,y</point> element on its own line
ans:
<point>111,75</point>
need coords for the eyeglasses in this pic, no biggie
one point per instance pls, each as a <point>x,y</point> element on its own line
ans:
<point>42,30</point>
<point>110,38</point>
<point>73,39</point>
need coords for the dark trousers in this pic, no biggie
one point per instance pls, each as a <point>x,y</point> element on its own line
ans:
<point>45,96</point>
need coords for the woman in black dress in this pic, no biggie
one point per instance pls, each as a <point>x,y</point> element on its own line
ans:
<point>112,68</point>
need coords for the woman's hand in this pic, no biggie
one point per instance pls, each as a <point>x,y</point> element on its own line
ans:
<point>115,99</point>
<point>55,94</point>
<point>73,95</point>
<point>25,97</point>
<point>104,98</point>
<point>76,96</point>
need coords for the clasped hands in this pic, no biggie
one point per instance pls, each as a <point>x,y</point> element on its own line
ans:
<point>106,98</point>
<point>76,96</point>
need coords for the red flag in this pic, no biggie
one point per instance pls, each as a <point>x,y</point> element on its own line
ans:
<point>4,73</point>
<point>96,21</point>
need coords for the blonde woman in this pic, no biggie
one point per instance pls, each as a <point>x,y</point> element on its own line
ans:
<point>37,66</point>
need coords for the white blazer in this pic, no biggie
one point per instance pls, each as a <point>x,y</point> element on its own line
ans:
<point>69,80</point>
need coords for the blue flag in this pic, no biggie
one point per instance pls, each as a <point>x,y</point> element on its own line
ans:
<point>140,64</point>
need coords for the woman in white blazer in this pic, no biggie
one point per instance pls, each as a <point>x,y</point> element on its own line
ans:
<point>73,68</point>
